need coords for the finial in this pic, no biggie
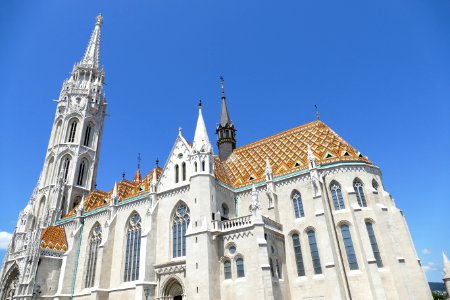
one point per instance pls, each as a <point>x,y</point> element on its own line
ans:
<point>157,162</point>
<point>139,161</point>
<point>123,175</point>
<point>99,20</point>
<point>199,104</point>
<point>317,112</point>
<point>222,81</point>
<point>179,130</point>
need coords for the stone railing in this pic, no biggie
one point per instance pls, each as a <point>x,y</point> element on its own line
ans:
<point>232,224</point>
<point>272,224</point>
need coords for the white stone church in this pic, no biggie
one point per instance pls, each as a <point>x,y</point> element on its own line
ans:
<point>298,215</point>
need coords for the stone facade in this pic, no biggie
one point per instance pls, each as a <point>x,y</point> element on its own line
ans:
<point>299,215</point>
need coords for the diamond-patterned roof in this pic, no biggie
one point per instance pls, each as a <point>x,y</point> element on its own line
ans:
<point>125,189</point>
<point>287,152</point>
<point>54,238</point>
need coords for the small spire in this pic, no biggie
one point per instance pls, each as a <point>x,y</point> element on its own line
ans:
<point>311,158</point>
<point>114,193</point>
<point>154,181</point>
<point>137,176</point>
<point>123,175</point>
<point>201,141</point>
<point>179,131</point>
<point>157,162</point>
<point>269,174</point>
<point>446,261</point>
<point>91,58</point>
<point>224,115</point>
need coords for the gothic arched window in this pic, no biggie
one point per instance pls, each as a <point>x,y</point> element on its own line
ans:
<point>57,133</point>
<point>203,166</point>
<point>133,249</point>
<point>298,255</point>
<point>177,173</point>
<point>95,238</point>
<point>373,243</point>
<point>375,185</point>
<point>72,131</point>
<point>357,185</point>
<point>314,252</point>
<point>180,222</point>
<point>336,193</point>
<point>348,243</point>
<point>183,171</point>
<point>240,267</point>
<point>298,204</point>
<point>195,166</point>
<point>65,168</point>
<point>227,269</point>
<point>82,172</point>
<point>87,135</point>
<point>48,173</point>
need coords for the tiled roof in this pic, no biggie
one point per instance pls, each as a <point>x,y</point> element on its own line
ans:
<point>54,238</point>
<point>125,189</point>
<point>287,152</point>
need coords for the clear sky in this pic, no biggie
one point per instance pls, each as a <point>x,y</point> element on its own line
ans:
<point>378,70</point>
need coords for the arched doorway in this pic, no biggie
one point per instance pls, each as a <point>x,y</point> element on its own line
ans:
<point>10,283</point>
<point>173,290</point>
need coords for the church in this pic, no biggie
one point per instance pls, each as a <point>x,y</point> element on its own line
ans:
<point>297,215</point>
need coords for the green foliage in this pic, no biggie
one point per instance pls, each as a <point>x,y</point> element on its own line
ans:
<point>438,296</point>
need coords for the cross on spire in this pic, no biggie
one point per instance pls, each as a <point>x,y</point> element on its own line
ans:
<point>139,160</point>
<point>317,112</point>
<point>222,81</point>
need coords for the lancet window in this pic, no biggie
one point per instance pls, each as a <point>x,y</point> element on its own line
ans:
<point>180,222</point>
<point>87,135</point>
<point>65,168</point>
<point>298,255</point>
<point>227,269</point>
<point>177,173</point>
<point>95,239</point>
<point>133,249</point>
<point>359,190</point>
<point>314,252</point>
<point>336,193</point>
<point>373,243</point>
<point>298,204</point>
<point>240,267</point>
<point>349,250</point>
<point>72,131</point>
<point>82,173</point>
<point>183,171</point>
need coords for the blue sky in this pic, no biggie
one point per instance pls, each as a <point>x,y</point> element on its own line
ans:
<point>378,70</point>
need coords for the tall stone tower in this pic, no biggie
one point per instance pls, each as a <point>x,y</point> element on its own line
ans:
<point>69,170</point>
<point>226,133</point>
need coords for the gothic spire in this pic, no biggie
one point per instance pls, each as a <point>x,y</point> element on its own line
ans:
<point>226,133</point>
<point>201,140</point>
<point>224,115</point>
<point>91,58</point>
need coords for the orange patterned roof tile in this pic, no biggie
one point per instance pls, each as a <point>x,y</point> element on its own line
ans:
<point>125,189</point>
<point>287,153</point>
<point>54,238</point>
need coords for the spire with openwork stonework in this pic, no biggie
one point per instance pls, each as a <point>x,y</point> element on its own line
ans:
<point>91,58</point>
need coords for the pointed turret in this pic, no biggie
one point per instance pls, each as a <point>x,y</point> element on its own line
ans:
<point>201,140</point>
<point>446,277</point>
<point>226,133</point>
<point>91,58</point>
